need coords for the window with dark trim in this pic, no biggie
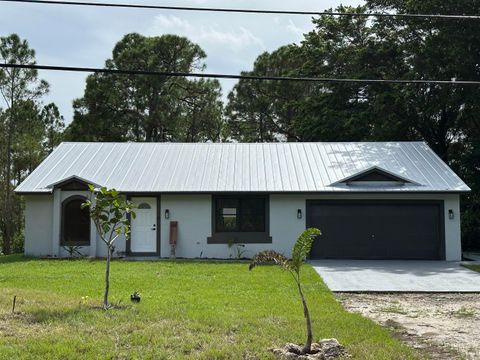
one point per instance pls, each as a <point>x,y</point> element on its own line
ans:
<point>75,222</point>
<point>240,218</point>
<point>240,214</point>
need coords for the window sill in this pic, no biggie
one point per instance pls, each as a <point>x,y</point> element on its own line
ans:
<point>83,244</point>
<point>239,238</point>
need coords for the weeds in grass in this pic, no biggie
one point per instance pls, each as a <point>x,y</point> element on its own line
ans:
<point>394,309</point>
<point>464,312</point>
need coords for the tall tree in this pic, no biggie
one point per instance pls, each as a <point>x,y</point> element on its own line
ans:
<point>353,47</point>
<point>54,125</point>
<point>394,48</point>
<point>203,113</point>
<point>436,49</point>
<point>20,90</point>
<point>262,111</point>
<point>149,108</point>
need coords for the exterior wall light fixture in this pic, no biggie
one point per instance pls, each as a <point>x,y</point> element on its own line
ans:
<point>167,214</point>
<point>450,214</point>
<point>299,214</point>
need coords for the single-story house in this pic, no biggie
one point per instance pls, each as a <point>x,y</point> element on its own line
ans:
<point>379,200</point>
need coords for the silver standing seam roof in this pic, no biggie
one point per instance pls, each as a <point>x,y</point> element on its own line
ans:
<point>240,167</point>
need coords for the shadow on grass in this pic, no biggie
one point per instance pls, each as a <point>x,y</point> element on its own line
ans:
<point>8,259</point>
<point>16,258</point>
<point>47,315</point>
<point>210,261</point>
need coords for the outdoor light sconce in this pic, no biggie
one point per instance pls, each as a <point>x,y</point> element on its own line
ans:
<point>167,214</point>
<point>299,213</point>
<point>450,214</point>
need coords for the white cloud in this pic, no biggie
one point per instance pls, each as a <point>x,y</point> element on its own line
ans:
<point>235,39</point>
<point>293,28</point>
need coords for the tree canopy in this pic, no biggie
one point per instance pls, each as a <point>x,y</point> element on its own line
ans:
<point>149,108</point>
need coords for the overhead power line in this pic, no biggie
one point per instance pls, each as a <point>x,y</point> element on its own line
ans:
<point>247,11</point>
<point>233,76</point>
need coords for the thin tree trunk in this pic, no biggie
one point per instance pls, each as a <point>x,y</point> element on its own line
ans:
<point>7,233</point>
<point>5,244</point>
<point>7,238</point>
<point>107,278</point>
<point>308,345</point>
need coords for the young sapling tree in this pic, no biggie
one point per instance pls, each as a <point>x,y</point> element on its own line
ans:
<point>108,211</point>
<point>300,251</point>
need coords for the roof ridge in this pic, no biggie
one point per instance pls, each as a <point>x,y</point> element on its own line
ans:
<point>242,143</point>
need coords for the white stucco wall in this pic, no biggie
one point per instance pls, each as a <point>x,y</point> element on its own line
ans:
<point>43,225</point>
<point>453,239</point>
<point>194,216</point>
<point>194,213</point>
<point>38,225</point>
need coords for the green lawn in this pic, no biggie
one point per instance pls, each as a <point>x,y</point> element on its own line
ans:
<point>473,267</point>
<point>189,309</point>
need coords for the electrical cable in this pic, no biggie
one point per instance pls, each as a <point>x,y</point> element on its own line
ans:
<point>233,76</point>
<point>248,11</point>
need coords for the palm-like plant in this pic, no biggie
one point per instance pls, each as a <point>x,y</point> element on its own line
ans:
<point>300,251</point>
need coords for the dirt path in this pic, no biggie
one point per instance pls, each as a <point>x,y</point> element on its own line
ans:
<point>439,323</point>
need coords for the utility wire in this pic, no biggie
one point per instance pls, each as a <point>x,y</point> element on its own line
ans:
<point>247,11</point>
<point>232,76</point>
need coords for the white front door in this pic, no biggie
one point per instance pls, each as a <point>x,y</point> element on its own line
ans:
<point>144,227</point>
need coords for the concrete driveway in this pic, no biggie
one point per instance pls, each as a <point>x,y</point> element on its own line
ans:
<point>396,276</point>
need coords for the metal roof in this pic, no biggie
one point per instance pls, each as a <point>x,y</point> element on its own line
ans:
<point>241,167</point>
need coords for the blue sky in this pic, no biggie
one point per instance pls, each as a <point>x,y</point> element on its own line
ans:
<point>83,36</point>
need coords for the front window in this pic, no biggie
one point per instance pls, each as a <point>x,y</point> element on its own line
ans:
<point>240,219</point>
<point>240,214</point>
<point>75,222</point>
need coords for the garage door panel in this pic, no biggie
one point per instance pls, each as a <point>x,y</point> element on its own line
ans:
<point>389,230</point>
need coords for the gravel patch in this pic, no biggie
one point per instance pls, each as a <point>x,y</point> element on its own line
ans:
<point>445,325</point>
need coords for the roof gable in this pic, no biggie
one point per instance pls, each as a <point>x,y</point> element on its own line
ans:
<point>73,182</point>
<point>375,175</point>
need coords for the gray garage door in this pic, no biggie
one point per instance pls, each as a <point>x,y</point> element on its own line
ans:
<point>377,230</point>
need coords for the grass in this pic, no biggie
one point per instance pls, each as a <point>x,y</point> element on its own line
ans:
<point>189,309</point>
<point>464,312</point>
<point>394,309</point>
<point>473,267</point>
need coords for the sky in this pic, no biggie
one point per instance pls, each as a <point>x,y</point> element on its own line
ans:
<point>85,36</point>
